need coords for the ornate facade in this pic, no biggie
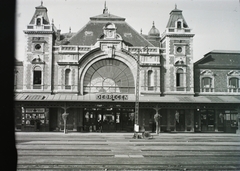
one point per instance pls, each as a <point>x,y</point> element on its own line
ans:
<point>108,72</point>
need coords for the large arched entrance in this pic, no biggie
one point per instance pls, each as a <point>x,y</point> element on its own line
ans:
<point>109,76</point>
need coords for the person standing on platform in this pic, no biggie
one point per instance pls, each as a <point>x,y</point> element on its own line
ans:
<point>157,121</point>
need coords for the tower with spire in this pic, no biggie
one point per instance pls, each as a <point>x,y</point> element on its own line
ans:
<point>40,35</point>
<point>177,52</point>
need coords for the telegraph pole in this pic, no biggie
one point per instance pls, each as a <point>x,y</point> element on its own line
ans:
<point>136,125</point>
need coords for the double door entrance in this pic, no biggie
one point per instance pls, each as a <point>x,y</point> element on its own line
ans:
<point>207,120</point>
<point>108,119</point>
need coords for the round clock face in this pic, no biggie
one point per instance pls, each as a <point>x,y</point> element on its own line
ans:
<point>37,46</point>
<point>179,49</point>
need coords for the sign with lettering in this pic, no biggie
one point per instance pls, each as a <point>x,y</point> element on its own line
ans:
<point>112,97</point>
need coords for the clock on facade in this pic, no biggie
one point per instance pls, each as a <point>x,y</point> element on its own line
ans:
<point>179,49</point>
<point>37,46</point>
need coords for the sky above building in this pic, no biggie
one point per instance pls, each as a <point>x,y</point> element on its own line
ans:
<point>215,23</point>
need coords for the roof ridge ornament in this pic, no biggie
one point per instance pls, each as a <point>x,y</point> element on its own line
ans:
<point>175,6</point>
<point>41,3</point>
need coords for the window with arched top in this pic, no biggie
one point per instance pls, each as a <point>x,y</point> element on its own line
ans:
<point>38,21</point>
<point>179,24</point>
<point>179,80</point>
<point>67,79</point>
<point>234,84</point>
<point>150,80</point>
<point>207,84</point>
<point>37,77</point>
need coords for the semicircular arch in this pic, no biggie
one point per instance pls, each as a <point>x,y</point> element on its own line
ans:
<point>122,57</point>
<point>108,76</point>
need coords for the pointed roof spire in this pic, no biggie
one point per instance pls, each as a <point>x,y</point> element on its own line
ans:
<point>141,31</point>
<point>175,6</point>
<point>153,24</point>
<point>69,29</point>
<point>105,10</point>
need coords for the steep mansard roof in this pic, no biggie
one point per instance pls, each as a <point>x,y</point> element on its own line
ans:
<point>40,11</point>
<point>175,15</point>
<point>93,30</point>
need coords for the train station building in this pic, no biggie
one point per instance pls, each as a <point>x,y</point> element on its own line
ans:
<point>107,70</point>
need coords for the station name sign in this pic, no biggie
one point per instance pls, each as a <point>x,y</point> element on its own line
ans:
<point>112,97</point>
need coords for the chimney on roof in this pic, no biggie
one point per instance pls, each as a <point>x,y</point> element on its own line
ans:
<point>58,34</point>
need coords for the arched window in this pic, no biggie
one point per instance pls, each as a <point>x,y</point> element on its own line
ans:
<point>179,80</point>
<point>67,79</point>
<point>38,21</point>
<point>37,77</point>
<point>234,84</point>
<point>150,80</point>
<point>15,78</point>
<point>179,24</point>
<point>207,84</point>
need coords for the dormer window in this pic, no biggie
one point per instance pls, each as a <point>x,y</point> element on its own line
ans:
<point>179,24</point>
<point>38,21</point>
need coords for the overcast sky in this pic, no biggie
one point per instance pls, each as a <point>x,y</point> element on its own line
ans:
<point>215,23</point>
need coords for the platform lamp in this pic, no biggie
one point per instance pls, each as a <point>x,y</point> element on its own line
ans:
<point>136,123</point>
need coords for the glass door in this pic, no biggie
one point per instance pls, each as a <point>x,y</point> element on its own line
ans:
<point>207,120</point>
<point>180,120</point>
<point>127,117</point>
<point>108,124</point>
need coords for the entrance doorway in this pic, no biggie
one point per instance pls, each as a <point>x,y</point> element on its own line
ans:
<point>207,120</point>
<point>180,120</point>
<point>108,119</point>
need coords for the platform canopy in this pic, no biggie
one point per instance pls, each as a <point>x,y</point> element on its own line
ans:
<point>125,98</point>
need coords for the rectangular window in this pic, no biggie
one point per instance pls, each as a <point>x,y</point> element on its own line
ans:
<point>67,79</point>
